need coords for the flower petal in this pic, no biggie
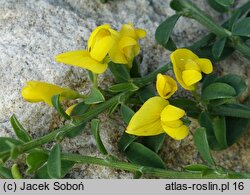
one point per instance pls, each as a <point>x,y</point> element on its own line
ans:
<point>140,33</point>
<point>205,64</point>
<point>101,48</point>
<point>190,77</point>
<point>166,86</point>
<point>171,113</point>
<point>117,56</point>
<point>146,121</point>
<point>172,124</point>
<point>81,58</point>
<point>176,133</point>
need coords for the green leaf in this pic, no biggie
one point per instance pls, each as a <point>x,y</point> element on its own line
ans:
<point>217,6</point>
<point>54,162</point>
<point>113,107</point>
<point>196,168</point>
<point>20,132</point>
<point>204,41</point>
<point>5,173</point>
<point>95,97</point>
<point>242,27</point>
<point>125,141</point>
<point>220,131</point>
<point>96,133</point>
<point>91,76</point>
<point>218,47</point>
<point>4,146</point>
<point>218,91</point>
<point>66,166</point>
<point>135,71</point>
<point>121,87</point>
<point>209,79</point>
<point>234,110</point>
<point>127,113</point>
<point>201,143</point>
<point>154,142</point>
<point>16,172</point>
<point>120,72</point>
<point>141,155</point>
<point>189,106</point>
<point>75,131</point>
<point>236,127</point>
<point>225,3</point>
<point>164,30</point>
<point>137,175</point>
<point>57,105</point>
<point>35,160</point>
<point>42,173</point>
<point>171,46</point>
<point>234,81</point>
<point>146,92</point>
<point>79,109</point>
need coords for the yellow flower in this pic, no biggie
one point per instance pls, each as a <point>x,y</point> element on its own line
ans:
<point>100,42</point>
<point>126,46</point>
<point>69,109</point>
<point>166,86</point>
<point>157,116</point>
<point>188,67</point>
<point>37,91</point>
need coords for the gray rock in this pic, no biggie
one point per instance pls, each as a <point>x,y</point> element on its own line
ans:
<point>32,33</point>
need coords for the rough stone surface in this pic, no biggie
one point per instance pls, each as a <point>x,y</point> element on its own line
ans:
<point>32,33</point>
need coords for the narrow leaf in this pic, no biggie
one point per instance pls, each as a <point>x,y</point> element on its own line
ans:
<point>200,140</point>
<point>20,132</point>
<point>127,113</point>
<point>218,91</point>
<point>154,142</point>
<point>75,131</point>
<point>35,160</point>
<point>141,155</point>
<point>220,131</point>
<point>225,3</point>
<point>217,6</point>
<point>57,105</point>
<point>121,87</point>
<point>95,97</point>
<point>79,109</point>
<point>218,47</point>
<point>96,133</point>
<point>242,27</point>
<point>164,30</point>
<point>5,173</point>
<point>196,168</point>
<point>15,172</point>
<point>54,162</point>
<point>120,72</point>
<point>125,141</point>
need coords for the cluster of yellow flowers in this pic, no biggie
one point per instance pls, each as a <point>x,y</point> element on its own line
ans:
<point>156,115</point>
<point>106,44</point>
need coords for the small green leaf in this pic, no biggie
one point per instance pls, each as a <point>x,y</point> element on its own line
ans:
<point>242,27</point>
<point>171,46</point>
<point>234,81</point>
<point>217,6</point>
<point>209,79</point>
<point>135,71</point>
<point>146,92</point>
<point>125,141</point>
<point>165,29</point>
<point>66,166</point>
<point>201,143</point>
<point>57,105</point>
<point>121,87</point>
<point>21,133</point>
<point>15,172</point>
<point>218,47</point>
<point>95,97</point>
<point>154,142</point>
<point>137,175</point>
<point>220,131</point>
<point>3,143</point>
<point>236,127</point>
<point>196,168</point>
<point>234,110</point>
<point>14,150</point>
<point>218,91</point>
<point>127,113</point>
<point>54,162</point>
<point>75,131</point>
<point>189,106</point>
<point>79,109</point>
<point>113,108</point>
<point>204,41</point>
<point>5,173</point>
<point>96,133</point>
<point>225,3</point>
<point>120,72</point>
<point>35,160</point>
<point>42,173</point>
<point>141,155</point>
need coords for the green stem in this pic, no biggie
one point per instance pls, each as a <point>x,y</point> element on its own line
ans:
<point>156,172</point>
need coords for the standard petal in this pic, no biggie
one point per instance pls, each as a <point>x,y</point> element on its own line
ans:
<point>146,121</point>
<point>172,124</point>
<point>101,48</point>
<point>190,77</point>
<point>81,58</point>
<point>140,33</point>
<point>205,64</point>
<point>117,56</point>
<point>171,113</point>
<point>176,133</point>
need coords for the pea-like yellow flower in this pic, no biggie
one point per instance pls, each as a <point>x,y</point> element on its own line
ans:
<point>166,86</point>
<point>100,42</point>
<point>157,116</point>
<point>37,91</point>
<point>127,46</point>
<point>188,67</point>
